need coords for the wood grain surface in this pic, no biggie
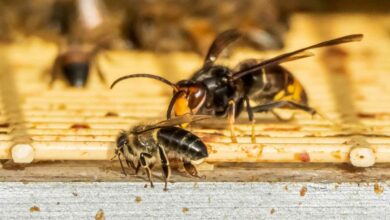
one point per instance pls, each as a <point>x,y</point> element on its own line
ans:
<point>347,84</point>
<point>353,92</point>
<point>194,201</point>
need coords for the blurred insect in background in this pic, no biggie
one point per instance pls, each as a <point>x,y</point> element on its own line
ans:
<point>165,25</point>
<point>220,91</point>
<point>147,145</point>
<point>75,65</point>
<point>168,25</point>
<point>92,31</point>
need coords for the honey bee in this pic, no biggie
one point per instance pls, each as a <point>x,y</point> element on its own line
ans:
<point>147,145</point>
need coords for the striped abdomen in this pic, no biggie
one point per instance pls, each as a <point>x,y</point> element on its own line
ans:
<point>182,142</point>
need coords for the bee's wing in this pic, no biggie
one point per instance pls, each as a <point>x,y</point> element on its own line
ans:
<point>219,44</point>
<point>297,54</point>
<point>187,118</point>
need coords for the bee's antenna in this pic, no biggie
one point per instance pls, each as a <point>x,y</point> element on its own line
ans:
<point>116,154</point>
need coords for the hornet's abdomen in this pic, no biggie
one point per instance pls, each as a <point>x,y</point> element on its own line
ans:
<point>182,142</point>
<point>294,91</point>
<point>279,84</point>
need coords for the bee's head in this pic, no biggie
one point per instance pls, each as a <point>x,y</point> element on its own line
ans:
<point>121,141</point>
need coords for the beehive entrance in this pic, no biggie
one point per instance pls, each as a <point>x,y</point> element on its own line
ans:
<point>71,124</point>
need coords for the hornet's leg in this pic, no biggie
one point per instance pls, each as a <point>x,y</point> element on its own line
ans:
<point>284,103</point>
<point>164,166</point>
<point>231,119</point>
<point>190,168</point>
<point>280,118</point>
<point>146,166</point>
<point>251,119</point>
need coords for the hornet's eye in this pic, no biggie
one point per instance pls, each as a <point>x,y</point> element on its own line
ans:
<point>196,96</point>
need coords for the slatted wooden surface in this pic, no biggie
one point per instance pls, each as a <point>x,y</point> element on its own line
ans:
<point>349,85</point>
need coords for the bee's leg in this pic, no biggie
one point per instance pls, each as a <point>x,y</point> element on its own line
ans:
<point>231,119</point>
<point>164,166</point>
<point>284,103</point>
<point>251,118</point>
<point>120,161</point>
<point>130,164</point>
<point>190,168</point>
<point>146,166</point>
<point>115,154</point>
<point>137,168</point>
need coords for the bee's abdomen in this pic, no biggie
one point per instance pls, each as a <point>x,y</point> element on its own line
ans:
<point>182,142</point>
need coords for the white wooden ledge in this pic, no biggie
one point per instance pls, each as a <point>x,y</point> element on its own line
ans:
<point>256,200</point>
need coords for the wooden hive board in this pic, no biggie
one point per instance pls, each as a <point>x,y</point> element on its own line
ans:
<point>30,114</point>
<point>353,92</point>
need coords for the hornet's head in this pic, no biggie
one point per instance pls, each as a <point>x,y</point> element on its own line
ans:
<point>188,96</point>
